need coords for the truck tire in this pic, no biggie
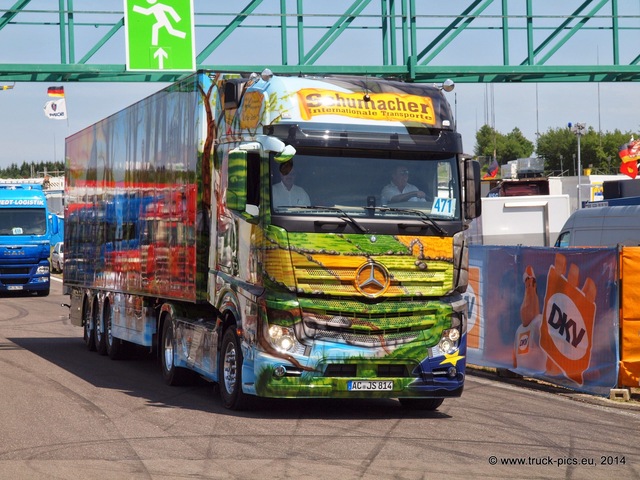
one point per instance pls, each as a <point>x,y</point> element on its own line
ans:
<point>172,375</point>
<point>86,326</point>
<point>428,404</point>
<point>98,335</point>
<point>115,347</point>
<point>230,373</point>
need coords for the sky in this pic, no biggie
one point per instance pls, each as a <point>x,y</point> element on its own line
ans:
<point>27,135</point>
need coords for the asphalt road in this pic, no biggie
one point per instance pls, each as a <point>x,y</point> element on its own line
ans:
<point>67,413</point>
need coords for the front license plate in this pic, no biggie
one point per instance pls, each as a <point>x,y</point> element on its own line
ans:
<point>370,385</point>
<point>15,287</point>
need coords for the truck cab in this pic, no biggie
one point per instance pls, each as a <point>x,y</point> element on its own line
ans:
<point>25,235</point>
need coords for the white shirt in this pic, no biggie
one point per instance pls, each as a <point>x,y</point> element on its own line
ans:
<point>281,197</point>
<point>391,190</point>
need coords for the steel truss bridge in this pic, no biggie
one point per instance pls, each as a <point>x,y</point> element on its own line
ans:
<point>417,40</point>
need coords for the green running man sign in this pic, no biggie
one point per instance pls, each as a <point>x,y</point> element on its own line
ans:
<point>159,34</point>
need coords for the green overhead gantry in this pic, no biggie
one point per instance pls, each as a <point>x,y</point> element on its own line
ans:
<point>417,40</point>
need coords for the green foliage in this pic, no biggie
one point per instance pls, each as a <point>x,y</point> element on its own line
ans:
<point>515,145</point>
<point>30,170</point>
<point>558,147</point>
<point>490,143</point>
<point>598,151</point>
<point>486,141</point>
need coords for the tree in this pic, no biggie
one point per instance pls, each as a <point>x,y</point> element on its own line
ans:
<point>486,142</point>
<point>28,170</point>
<point>515,145</point>
<point>490,143</point>
<point>559,148</point>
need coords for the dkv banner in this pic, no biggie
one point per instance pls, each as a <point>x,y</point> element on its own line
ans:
<point>546,313</point>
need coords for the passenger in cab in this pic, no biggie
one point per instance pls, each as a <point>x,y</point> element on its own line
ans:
<point>400,190</point>
<point>286,194</point>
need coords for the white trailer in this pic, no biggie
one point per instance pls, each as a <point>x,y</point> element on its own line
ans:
<point>534,220</point>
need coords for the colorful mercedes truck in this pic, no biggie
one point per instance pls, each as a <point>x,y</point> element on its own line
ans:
<point>25,239</point>
<point>284,237</point>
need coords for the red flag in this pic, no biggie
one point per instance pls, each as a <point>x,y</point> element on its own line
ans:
<point>629,168</point>
<point>623,152</point>
<point>630,151</point>
<point>56,91</point>
<point>493,170</point>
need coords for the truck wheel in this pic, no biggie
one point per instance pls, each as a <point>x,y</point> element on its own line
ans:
<point>98,336</point>
<point>173,375</point>
<point>429,404</point>
<point>230,374</point>
<point>86,323</point>
<point>115,347</point>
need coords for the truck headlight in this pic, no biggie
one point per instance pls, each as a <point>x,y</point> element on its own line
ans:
<point>42,269</point>
<point>282,338</point>
<point>279,330</point>
<point>449,340</point>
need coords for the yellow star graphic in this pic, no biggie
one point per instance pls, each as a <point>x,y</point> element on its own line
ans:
<point>453,358</point>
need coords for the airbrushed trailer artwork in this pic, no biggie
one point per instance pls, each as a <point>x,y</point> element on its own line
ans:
<point>282,236</point>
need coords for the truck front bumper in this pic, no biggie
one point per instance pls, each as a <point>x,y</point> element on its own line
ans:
<point>438,377</point>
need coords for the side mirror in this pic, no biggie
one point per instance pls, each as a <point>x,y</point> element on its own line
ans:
<point>237,184</point>
<point>53,220</point>
<point>472,202</point>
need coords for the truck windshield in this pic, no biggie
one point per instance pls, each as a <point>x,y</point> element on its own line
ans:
<point>23,221</point>
<point>389,185</point>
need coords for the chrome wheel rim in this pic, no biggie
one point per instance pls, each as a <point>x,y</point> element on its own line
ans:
<point>108,329</point>
<point>229,368</point>
<point>168,353</point>
<point>98,332</point>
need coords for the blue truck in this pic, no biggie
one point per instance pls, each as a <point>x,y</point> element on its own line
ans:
<point>25,239</point>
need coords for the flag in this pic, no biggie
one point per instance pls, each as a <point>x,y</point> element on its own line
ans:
<point>630,152</point>
<point>492,171</point>
<point>634,149</point>
<point>56,91</point>
<point>629,168</point>
<point>623,153</point>
<point>56,109</point>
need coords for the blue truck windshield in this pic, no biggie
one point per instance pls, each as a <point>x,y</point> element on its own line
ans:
<point>23,221</point>
<point>365,186</point>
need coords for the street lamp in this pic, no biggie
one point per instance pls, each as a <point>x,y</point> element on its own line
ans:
<point>579,129</point>
<point>561,167</point>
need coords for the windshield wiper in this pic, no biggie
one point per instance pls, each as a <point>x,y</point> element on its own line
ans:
<point>342,213</point>
<point>426,219</point>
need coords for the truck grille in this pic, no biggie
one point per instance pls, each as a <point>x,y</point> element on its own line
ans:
<point>15,271</point>
<point>383,324</point>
